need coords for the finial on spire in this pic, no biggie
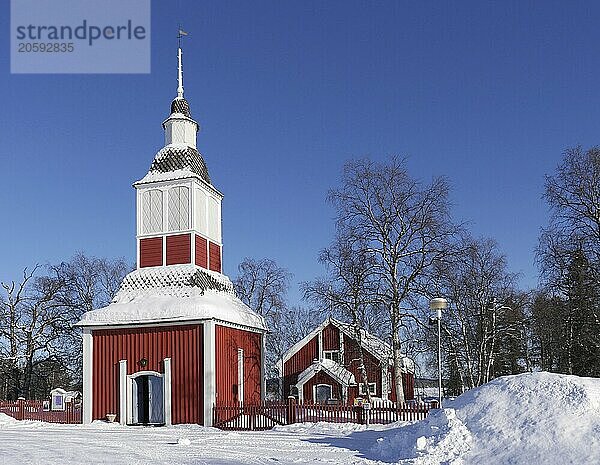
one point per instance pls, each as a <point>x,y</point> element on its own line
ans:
<point>180,34</point>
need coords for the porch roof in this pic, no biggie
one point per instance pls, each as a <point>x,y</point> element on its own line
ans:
<point>333,369</point>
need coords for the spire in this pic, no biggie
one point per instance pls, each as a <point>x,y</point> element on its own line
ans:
<point>179,74</point>
<point>179,104</point>
<point>180,34</point>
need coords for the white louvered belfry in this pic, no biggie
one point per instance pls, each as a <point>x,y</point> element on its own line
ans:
<point>152,211</point>
<point>179,201</point>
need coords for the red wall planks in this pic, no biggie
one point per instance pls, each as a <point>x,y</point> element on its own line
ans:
<point>201,252</point>
<point>331,338</point>
<point>214,252</point>
<point>227,342</point>
<point>179,249</point>
<point>183,344</point>
<point>307,354</point>
<point>298,363</point>
<point>321,378</point>
<point>408,384</point>
<point>151,253</point>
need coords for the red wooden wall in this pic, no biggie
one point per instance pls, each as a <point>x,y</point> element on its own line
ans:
<point>151,253</point>
<point>372,364</point>
<point>183,344</point>
<point>299,362</point>
<point>331,338</point>
<point>321,378</point>
<point>179,249</point>
<point>214,255</point>
<point>331,341</point>
<point>227,342</point>
<point>201,252</point>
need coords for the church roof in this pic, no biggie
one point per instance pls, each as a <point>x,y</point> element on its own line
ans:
<point>175,157</point>
<point>174,293</point>
<point>181,105</point>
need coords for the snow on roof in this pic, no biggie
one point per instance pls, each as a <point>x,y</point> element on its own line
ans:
<point>372,344</point>
<point>333,369</point>
<point>174,293</point>
<point>175,161</point>
<point>153,308</point>
<point>173,280</point>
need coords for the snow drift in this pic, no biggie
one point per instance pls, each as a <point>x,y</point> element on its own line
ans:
<point>533,418</point>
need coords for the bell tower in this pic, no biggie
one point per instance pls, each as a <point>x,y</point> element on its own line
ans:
<point>178,208</point>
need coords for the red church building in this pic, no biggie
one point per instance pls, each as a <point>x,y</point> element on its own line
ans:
<point>324,366</point>
<point>175,340</point>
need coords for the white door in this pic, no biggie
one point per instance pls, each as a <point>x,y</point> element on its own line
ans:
<point>147,400</point>
<point>156,399</point>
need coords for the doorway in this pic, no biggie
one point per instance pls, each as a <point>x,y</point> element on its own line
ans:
<point>147,395</point>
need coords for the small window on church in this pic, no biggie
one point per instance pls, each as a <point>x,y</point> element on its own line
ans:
<point>152,212</point>
<point>179,201</point>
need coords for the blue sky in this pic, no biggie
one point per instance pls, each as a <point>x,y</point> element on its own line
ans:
<point>487,94</point>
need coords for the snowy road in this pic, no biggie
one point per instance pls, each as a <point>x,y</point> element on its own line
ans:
<point>29,443</point>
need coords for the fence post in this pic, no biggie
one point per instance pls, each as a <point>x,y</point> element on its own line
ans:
<point>21,405</point>
<point>290,412</point>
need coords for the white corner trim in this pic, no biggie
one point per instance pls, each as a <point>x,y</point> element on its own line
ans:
<point>210,387</point>
<point>240,375</point>
<point>88,352</point>
<point>320,345</point>
<point>263,374</point>
<point>167,391</point>
<point>123,392</point>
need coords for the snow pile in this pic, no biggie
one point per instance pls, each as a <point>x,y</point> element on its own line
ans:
<point>441,438</point>
<point>6,420</point>
<point>535,418</point>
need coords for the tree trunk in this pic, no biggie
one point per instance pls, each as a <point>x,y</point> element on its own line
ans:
<point>398,383</point>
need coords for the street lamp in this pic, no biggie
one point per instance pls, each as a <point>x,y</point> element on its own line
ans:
<point>438,304</point>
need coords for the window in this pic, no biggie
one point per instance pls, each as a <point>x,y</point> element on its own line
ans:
<point>323,392</point>
<point>372,389</point>
<point>201,212</point>
<point>332,355</point>
<point>214,220</point>
<point>179,201</point>
<point>152,212</point>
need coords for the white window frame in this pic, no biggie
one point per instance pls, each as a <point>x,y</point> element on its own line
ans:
<point>323,384</point>
<point>330,353</point>
<point>372,389</point>
<point>166,391</point>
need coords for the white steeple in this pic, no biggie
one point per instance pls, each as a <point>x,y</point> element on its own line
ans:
<point>180,128</point>
<point>179,73</point>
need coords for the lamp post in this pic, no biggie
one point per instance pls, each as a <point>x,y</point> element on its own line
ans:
<point>438,304</point>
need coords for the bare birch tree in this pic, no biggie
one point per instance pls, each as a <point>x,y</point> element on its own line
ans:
<point>37,313</point>
<point>348,289</point>
<point>404,224</point>
<point>263,285</point>
<point>486,316</point>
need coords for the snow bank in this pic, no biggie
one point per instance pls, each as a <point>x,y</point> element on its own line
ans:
<point>7,420</point>
<point>533,418</point>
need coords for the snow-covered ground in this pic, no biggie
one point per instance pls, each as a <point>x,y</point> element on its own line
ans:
<point>532,419</point>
